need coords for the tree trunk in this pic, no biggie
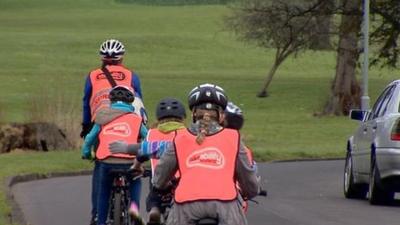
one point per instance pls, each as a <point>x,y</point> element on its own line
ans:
<point>345,89</point>
<point>263,92</point>
<point>324,21</point>
<point>280,55</point>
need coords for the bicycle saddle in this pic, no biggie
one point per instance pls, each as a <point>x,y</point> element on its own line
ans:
<point>208,221</point>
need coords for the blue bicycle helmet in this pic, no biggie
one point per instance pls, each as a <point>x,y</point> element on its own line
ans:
<point>170,107</point>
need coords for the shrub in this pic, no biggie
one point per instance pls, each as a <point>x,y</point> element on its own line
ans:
<point>59,108</point>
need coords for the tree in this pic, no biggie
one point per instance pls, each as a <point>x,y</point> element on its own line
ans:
<point>345,89</point>
<point>291,26</point>
<point>286,25</point>
<point>386,32</point>
<point>385,37</point>
<point>324,26</point>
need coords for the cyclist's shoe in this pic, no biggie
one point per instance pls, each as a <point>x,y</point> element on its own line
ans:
<point>154,216</point>
<point>135,216</point>
<point>93,221</point>
<point>134,211</point>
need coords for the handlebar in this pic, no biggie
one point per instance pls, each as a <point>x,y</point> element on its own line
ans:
<point>140,173</point>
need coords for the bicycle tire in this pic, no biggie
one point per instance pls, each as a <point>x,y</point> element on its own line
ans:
<point>117,213</point>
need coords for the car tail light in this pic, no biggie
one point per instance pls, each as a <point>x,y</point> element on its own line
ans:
<point>395,135</point>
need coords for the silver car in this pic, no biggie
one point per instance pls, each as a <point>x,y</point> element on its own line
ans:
<point>373,152</point>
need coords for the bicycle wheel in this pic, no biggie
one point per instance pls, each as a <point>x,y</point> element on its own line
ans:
<point>117,209</point>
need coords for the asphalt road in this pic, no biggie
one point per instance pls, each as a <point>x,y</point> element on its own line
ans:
<point>300,193</point>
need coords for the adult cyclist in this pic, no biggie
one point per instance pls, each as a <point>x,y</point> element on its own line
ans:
<point>98,84</point>
<point>97,87</point>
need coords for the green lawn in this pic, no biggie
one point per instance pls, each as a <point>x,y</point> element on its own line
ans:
<point>49,46</point>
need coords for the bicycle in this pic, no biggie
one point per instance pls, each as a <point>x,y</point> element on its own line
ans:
<point>214,221</point>
<point>120,199</point>
<point>206,220</point>
<point>168,202</point>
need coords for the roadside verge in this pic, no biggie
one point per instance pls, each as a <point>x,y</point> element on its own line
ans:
<point>16,215</point>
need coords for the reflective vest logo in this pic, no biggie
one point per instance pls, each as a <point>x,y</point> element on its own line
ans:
<point>118,129</point>
<point>101,96</point>
<point>209,157</point>
<point>115,76</point>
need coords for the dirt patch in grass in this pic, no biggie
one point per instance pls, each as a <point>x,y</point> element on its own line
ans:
<point>33,136</point>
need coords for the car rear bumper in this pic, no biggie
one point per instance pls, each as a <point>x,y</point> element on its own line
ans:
<point>388,161</point>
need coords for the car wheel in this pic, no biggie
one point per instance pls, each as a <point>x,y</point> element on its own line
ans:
<point>378,195</point>
<point>351,189</point>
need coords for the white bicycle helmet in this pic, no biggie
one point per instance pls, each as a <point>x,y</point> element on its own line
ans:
<point>112,50</point>
<point>233,116</point>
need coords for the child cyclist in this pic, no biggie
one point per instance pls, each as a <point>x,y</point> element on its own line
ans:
<point>234,120</point>
<point>170,114</point>
<point>205,153</point>
<point>118,122</point>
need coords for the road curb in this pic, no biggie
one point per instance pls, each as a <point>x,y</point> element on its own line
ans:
<point>16,215</point>
<point>307,160</point>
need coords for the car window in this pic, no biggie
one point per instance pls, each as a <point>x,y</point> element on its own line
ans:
<point>380,102</point>
<point>386,102</point>
<point>367,116</point>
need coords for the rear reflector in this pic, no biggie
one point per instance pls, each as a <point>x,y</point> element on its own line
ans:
<point>395,137</point>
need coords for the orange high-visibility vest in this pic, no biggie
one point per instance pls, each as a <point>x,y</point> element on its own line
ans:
<point>101,87</point>
<point>156,135</point>
<point>125,128</point>
<point>207,170</point>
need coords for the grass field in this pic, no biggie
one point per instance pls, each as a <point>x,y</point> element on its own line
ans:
<point>49,46</point>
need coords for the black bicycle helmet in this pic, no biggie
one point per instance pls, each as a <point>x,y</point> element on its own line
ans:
<point>112,50</point>
<point>170,107</point>
<point>233,117</point>
<point>122,93</point>
<point>207,96</point>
